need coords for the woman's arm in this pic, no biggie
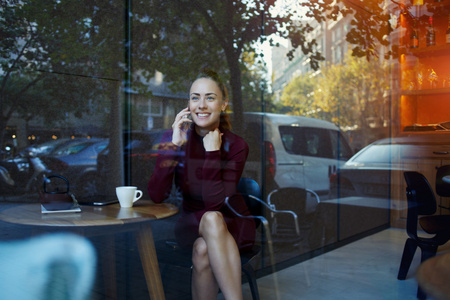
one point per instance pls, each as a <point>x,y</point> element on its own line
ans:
<point>160,183</point>
<point>220,178</point>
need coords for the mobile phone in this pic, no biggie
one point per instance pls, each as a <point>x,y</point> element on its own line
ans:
<point>98,200</point>
<point>186,125</point>
<point>189,110</point>
<point>105,203</point>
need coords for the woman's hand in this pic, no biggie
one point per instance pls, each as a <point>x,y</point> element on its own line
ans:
<point>180,126</point>
<point>213,140</point>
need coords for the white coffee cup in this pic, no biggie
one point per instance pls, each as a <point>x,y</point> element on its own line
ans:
<point>127,195</point>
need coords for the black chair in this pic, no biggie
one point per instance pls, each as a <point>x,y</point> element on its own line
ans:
<point>443,182</point>
<point>248,188</point>
<point>298,202</point>
<point>421,209</point>
<point>171,254</point>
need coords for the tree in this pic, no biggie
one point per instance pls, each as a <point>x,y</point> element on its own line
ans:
<point>253,84</point>
<point>48,50</point>
<point>371,22</point>
<point>297,97</point>
<point>86,38</point>
<point>352,93</point>
<point>190,34</point>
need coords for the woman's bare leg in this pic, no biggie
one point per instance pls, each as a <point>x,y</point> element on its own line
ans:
<point>216,259</point>
<point>204,284</point>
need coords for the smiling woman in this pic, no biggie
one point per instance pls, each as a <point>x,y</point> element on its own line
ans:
<point>206,104</point>
<point>209,171</point>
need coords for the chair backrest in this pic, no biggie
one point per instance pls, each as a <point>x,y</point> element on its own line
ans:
<point>419,193</point>
<point>301,201</point>
<point>249,186</point>
<point>288,198</point>
<point>443,181</point>
<point>246,187</point>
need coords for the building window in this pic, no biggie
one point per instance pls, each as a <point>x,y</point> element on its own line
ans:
<point>155,107</point>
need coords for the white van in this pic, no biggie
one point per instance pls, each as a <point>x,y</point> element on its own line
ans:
<point>295,152</point>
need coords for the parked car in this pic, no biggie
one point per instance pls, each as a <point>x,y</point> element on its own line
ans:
<point>78,163</point>
<point>296,151</point>
<point>49,147</point>
<point>369,172</point>
<point>24,173</point>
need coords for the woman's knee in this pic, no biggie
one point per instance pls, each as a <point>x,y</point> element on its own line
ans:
<point>212,222</point>
<point>200,254</point>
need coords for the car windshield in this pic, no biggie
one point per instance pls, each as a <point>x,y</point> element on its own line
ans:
<point>306,141</point>
<point>72,149</point>
<point>378,154</point>
<point>47,147</point>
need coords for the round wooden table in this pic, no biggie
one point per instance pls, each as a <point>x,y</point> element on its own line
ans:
<point>104,222</point>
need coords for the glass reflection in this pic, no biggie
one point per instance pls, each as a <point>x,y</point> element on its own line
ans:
<point>311,87</point>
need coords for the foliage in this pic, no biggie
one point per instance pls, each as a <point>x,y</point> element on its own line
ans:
<point>352,93</point>
<point>253,84</point>
<point>55,58</point>
<point>370,22</point>
<point>186,35</point>
<point>296,98</point>
<point>349,94</point>
<point>48,47</point>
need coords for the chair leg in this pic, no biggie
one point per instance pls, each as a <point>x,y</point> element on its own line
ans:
<point>407,257</point>
<point>251,278</point>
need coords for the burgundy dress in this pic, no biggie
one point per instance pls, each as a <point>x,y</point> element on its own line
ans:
<point>205,179</point>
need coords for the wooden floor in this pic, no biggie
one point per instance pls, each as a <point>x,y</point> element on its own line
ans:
<point>365,269</point>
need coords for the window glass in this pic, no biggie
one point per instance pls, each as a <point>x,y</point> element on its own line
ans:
<point>339,146</point>
<point>378,154</point>
<point>306,141</point>
<point>71,150</point>
<point>309,85</point>
<point>99,148</point>
<point>293,139</point>
<point>317,142</point>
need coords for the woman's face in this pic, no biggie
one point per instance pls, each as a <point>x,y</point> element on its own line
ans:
<point>206,103</point>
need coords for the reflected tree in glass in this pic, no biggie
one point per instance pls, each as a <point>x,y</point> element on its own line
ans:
<point>58,57</point>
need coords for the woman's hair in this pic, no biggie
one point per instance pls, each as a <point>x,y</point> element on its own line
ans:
<point>210,74</point>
